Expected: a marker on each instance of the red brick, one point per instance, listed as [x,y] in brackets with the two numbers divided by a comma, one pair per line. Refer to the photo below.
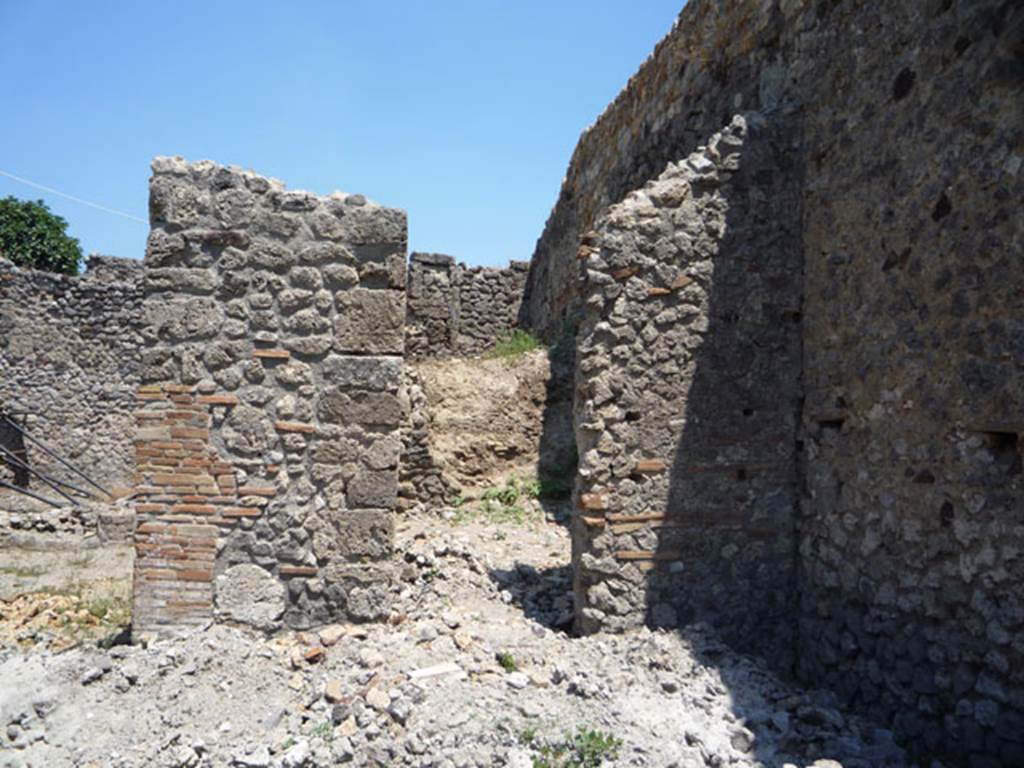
[218,400]
[650,465]
[242,511]
[272,354]
[257,490]
[297,570]
[294,426]
[174,479]
[193,509]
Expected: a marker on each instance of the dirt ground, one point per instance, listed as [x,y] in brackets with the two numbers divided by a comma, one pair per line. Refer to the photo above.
[489,416]
[473,668]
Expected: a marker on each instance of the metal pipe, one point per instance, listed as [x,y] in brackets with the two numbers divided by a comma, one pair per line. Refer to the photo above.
[41,476]
[47,478]
[53,455]
[27,492]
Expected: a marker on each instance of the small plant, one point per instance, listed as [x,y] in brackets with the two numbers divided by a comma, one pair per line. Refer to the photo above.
[507,662]
[594,747]
[323,731]
[499,504]
[507,494]
[587,749]
[513,345]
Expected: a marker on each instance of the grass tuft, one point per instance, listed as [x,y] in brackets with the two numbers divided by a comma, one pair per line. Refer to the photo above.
[513,345]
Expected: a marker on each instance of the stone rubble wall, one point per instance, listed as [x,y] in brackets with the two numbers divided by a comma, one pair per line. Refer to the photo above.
[912,524]
[721,57]
[422,477]
[688,397]
[69,365]
[910,151]
[269,411]
[458,310]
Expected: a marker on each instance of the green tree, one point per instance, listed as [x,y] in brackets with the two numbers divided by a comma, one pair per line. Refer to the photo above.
[32,236]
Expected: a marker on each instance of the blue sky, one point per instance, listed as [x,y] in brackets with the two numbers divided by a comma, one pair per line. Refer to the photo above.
[464,113]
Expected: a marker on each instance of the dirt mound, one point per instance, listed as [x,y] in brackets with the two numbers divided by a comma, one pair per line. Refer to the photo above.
[487,419]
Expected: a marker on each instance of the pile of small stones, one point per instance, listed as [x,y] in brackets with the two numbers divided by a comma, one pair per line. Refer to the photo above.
[471,670]
[97,522]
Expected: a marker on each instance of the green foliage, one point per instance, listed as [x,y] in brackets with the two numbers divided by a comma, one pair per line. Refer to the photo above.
[528,736]
[32,236]
[498,504]
[506,661]
[507,494]
[323,730]
[585,749]
[493,512]
[513,345]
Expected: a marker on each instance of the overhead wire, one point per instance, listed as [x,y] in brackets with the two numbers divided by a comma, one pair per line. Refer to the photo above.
[79,200]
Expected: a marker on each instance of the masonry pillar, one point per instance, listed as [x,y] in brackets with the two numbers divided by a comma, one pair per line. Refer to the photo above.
[267,443]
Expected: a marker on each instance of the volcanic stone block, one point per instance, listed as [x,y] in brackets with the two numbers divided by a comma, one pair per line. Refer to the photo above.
[370,321]
[373,488]
[364,533]
[377,374]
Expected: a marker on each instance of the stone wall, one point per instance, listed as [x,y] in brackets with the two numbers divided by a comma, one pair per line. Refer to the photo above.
[721,57]
[912,550]
[69,365]
[268,415]
[688,397]
[458,310]
[908,146]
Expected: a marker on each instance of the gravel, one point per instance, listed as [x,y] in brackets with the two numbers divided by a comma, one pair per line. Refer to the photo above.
[426,688]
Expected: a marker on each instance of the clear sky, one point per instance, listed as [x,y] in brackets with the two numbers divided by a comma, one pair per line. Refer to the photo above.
[462,112]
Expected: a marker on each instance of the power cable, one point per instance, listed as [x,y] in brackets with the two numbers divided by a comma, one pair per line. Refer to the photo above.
[53,191]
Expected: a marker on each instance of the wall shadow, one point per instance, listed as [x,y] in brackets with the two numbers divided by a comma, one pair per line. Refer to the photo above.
[726,547]
[556,450]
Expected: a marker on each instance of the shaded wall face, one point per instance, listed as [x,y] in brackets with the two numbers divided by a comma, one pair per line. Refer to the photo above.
[269,412]
[69,364]
[688,382]
[913,522]
[721,57]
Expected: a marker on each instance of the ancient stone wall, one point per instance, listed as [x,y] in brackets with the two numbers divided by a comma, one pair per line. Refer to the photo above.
[908,143]
[721,57]
[69,365]
[688,397]
[268,413]
[912,549]
[458,310]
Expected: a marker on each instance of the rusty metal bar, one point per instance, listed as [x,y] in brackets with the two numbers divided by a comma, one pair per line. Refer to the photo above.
[46,478]
[42,446]
[27,492]
[11,457]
